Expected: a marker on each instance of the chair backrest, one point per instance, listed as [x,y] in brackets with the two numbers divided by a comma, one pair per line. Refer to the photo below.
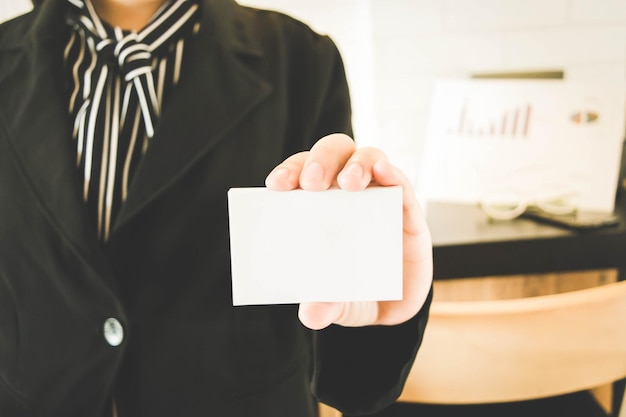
[519,349]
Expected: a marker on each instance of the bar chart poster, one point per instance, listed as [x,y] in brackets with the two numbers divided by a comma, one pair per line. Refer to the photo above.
[513,122]
[531,138]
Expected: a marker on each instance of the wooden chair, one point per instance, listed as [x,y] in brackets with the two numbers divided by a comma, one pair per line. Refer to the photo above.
[520,349]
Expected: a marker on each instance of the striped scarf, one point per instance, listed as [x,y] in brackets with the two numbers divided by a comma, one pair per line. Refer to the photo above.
[119,81]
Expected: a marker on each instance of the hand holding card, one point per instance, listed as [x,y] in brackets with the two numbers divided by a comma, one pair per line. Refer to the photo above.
[335,162]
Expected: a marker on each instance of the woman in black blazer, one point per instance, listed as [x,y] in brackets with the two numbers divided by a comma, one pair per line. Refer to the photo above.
[143,320]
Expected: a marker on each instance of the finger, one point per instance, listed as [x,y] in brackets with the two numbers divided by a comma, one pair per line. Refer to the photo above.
[324,161]
[359,313]
[357,172]
[286,176]
[417,249]
[317,316]
[384,173]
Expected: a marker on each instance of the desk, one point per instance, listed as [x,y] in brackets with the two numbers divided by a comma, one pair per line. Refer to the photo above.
[467,244]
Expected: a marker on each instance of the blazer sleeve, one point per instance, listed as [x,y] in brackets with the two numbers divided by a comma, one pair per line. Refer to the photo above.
[362,370]
[334,109]
[359,370]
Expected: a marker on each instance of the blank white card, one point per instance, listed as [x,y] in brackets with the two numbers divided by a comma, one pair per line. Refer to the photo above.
[303,246]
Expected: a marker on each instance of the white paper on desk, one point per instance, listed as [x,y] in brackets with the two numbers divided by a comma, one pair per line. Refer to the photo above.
[535,139]
[298,246]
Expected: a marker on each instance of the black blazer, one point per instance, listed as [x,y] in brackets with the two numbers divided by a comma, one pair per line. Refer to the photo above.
[256,87]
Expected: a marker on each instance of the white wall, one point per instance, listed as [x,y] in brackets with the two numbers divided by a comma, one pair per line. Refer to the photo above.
[395,49]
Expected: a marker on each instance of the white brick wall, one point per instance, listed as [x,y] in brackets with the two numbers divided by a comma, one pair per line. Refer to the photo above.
[503,15]
[395,49]
[594,11]
[569,45]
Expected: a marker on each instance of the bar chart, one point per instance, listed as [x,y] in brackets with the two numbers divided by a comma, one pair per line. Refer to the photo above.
[473,120]
[525,137]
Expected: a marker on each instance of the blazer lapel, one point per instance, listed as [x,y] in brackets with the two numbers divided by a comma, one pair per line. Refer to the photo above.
[216,92]
[33,111]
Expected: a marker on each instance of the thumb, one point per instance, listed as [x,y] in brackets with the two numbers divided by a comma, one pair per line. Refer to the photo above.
[318,316]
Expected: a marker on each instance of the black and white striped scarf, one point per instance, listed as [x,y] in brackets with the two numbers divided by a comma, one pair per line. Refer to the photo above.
[119,81]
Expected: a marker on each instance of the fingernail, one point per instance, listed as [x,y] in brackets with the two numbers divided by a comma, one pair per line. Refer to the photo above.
[313,173]
[353,170]
[382,166]
[279,175]
[351,177]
